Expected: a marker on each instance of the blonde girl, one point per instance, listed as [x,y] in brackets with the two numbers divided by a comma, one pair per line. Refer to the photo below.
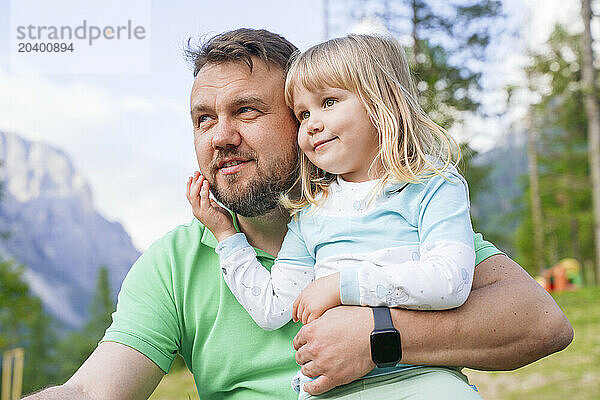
[380,213]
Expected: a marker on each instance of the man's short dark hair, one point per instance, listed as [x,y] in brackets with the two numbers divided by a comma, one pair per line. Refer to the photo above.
[241,45]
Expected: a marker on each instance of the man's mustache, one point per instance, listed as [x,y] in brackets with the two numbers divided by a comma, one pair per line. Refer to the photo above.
[231,153]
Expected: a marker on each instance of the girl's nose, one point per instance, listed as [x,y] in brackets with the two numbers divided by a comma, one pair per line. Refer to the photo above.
[314,125]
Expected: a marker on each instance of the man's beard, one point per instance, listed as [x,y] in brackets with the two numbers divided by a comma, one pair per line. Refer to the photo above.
[261,193]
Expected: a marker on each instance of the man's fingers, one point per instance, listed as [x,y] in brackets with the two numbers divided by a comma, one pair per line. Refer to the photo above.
[307,370]
[299,341]
[303,356]
[320,385]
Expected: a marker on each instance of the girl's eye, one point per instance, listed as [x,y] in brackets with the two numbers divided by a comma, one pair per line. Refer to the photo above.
[304,115]
[329,102]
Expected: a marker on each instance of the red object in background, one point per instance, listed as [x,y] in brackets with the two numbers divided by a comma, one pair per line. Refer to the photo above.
[556,278]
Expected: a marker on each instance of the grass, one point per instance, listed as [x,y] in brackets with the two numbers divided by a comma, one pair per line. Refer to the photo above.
[573,373]
[178,385]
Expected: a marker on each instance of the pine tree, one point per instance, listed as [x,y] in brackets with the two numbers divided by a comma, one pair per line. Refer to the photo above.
[101,307]
[449,42]
[77,346]
[564,183]
[23,323]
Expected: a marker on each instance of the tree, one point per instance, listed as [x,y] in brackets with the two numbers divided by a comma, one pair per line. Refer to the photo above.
[559,119]
[593,122]
[101,307]
[477,177]
[449,42]
[77,346]
[23,323]
[535,202]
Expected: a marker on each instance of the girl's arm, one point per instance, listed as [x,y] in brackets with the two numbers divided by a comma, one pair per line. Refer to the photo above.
[508,321]
[267,296]
[441,274]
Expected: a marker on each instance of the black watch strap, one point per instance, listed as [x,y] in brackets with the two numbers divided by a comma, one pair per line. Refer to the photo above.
[386,345]
[382,318]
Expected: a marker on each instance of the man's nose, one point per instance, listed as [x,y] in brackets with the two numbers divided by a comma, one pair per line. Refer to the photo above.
[226,135]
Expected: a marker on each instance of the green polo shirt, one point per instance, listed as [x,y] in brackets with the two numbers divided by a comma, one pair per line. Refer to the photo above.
[174,300]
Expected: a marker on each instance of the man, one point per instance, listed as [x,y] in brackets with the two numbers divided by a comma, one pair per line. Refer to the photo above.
[174,299]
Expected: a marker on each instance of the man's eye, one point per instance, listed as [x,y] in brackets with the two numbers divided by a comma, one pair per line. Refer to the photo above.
[329,102]
[243,110]
[202,119]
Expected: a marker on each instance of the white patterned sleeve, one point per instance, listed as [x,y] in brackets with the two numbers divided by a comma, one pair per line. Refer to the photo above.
[267,296]
[441,276]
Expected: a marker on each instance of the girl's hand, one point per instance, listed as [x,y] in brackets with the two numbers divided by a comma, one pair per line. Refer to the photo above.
[213,216]
[316,298]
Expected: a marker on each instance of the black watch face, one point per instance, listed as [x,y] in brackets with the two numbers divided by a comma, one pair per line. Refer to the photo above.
[385,347]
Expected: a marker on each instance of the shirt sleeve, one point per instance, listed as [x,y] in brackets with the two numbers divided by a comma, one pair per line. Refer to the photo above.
[147,291]
[267,297]
[483,249]
[441,278]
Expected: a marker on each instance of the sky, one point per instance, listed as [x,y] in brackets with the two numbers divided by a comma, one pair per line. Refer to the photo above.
[124,121]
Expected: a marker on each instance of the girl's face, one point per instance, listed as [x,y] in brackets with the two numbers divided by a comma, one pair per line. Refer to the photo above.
[336,133]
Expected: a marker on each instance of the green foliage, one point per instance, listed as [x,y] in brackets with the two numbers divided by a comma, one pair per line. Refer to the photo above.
[23,323]
[77,346]
[565,187]
[450,42]
[477,178]
[15,305]
[101,307]
[445,91]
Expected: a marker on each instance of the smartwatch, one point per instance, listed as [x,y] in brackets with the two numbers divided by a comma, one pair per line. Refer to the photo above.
[386,349]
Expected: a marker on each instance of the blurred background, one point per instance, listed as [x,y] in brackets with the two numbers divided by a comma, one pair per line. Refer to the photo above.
[94,159]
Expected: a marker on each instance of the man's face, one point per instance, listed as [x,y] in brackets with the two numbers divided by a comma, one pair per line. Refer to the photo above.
[244,135]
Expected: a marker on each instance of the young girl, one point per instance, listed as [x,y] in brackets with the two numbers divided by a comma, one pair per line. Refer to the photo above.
[382,216]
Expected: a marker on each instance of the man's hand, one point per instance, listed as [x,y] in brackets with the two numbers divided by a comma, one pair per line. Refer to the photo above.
[318,297]
[508,321]
[335,348]
[213,216]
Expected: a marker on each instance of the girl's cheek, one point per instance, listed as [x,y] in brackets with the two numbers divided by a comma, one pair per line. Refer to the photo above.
[302,140]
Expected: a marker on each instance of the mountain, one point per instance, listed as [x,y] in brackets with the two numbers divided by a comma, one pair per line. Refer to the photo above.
[52,228]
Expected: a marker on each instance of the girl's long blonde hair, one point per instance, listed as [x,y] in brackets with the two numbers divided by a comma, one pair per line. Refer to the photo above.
[411,146]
